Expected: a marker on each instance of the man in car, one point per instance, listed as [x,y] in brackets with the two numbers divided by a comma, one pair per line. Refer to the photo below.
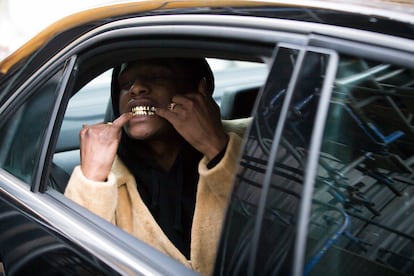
[163,169]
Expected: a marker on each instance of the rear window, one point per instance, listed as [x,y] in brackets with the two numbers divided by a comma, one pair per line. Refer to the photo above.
[362,210]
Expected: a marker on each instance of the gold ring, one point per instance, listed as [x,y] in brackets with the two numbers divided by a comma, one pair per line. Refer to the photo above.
[171,106]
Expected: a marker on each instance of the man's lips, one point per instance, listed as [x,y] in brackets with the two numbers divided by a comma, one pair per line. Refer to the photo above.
[143,110]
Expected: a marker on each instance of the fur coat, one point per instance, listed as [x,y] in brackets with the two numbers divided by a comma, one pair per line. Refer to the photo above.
[118,201]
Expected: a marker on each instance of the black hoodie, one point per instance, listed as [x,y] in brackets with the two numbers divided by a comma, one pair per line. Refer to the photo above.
[169,195]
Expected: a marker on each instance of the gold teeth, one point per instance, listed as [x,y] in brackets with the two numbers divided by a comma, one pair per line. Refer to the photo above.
[143,110]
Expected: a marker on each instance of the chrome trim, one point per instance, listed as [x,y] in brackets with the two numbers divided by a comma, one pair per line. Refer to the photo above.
[273,153]
[226,26]
[313,159]
[268,30]
[404,13]
[269,24]
[59,90]
[119,250]
[364,50]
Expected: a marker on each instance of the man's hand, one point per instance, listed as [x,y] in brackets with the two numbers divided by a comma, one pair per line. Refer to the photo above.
[196,117]
[98,147]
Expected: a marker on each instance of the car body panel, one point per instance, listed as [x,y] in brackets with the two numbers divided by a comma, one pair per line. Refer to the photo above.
[44,216]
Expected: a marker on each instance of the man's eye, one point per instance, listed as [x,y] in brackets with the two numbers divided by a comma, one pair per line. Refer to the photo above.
[144,80]
[157,79]
[126,85]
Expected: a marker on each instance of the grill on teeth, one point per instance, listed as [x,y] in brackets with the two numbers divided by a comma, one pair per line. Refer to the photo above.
[143,110]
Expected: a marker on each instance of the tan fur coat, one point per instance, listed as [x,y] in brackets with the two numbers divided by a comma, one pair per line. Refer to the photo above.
[119,202]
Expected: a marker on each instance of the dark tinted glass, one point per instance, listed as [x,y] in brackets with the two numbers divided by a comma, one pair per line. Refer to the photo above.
[239,231]
[23,129]
[362,214]
[280,213]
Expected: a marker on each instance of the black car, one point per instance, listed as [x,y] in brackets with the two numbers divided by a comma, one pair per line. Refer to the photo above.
[325,180]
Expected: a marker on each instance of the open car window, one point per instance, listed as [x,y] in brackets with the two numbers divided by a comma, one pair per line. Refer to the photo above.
[237,84]
[88,106]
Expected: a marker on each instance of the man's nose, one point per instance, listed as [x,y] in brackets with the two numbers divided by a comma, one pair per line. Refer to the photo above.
[138,87]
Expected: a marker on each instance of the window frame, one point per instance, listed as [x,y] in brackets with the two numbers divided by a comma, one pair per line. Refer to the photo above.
[28,89]
[90,223]
[313,159]
[310,165]
[44,167]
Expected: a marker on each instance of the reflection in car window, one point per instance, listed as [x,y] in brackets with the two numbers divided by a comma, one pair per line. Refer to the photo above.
[364,191]
[263,213]
[26,126]
[280,213]
[239,230]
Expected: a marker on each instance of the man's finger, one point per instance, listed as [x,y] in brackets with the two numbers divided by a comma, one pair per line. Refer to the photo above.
[122,120]
[184,99]
[167,114]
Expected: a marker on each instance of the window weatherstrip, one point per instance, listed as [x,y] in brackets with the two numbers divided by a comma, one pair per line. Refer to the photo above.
[272,156]
[67,71]
[364,50]
[312,164]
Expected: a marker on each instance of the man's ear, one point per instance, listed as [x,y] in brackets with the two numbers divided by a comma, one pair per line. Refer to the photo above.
[202,87]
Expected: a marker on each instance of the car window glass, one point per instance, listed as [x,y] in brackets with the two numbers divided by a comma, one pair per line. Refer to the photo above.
[26,126]
[280,213]
[239,228]
[364,191]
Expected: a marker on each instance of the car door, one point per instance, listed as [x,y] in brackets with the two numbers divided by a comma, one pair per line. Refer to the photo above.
[28,242]
[360,219]
[44,231]
[325,184]
[34,191]
[259,236]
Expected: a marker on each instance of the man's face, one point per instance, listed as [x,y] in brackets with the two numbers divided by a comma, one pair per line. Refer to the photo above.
[145,86]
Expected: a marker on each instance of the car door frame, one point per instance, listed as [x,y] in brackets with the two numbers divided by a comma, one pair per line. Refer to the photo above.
[104,240]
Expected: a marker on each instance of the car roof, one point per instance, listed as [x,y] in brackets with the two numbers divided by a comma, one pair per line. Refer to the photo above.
[395,10]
